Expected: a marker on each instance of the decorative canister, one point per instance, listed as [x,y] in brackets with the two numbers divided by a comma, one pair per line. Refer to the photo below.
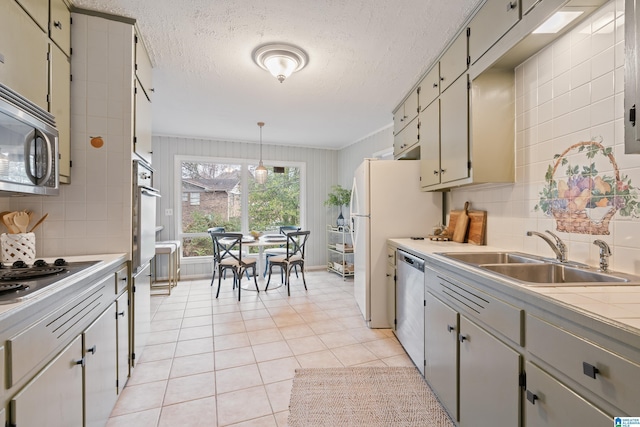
[18,247]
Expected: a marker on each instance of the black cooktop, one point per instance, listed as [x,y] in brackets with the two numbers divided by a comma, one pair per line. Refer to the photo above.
[20,280]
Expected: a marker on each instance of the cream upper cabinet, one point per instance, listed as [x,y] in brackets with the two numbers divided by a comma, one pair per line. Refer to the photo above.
[406,112]
[142,129]
[491,22]
[143,66]
[527,5]
[406,124]
[454,62]
[454,132]
[60,25]
[38,10]
[430,87]
[23,66]
[430,145]
[61,109]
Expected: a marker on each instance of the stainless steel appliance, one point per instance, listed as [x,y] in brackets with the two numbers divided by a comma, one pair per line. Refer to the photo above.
[20,281]
[386,202]
[410,306]
[28,147]
[144,214]
[143,250]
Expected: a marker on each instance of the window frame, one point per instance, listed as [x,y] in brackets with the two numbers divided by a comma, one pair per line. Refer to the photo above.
[244,167]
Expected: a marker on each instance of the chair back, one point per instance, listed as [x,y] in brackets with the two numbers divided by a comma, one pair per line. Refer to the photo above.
[286,229]
[227,245]
[211,231]
[296,243]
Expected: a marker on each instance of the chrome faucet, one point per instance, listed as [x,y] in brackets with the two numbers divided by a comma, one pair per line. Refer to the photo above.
[605,253]
[559,248]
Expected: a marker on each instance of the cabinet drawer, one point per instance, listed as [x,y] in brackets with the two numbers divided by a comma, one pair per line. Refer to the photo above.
[430,87]
[453,62]
[499,315]
[617,379]
[550,403]
[122,279]
[391,255]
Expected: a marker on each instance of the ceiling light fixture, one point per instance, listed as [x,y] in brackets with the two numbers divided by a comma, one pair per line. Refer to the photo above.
[281,60]
[261,171]
[556,22]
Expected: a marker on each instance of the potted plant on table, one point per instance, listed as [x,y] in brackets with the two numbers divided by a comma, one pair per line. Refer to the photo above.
[339,197]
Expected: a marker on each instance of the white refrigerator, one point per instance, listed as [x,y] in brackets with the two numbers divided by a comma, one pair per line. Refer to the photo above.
[386,202]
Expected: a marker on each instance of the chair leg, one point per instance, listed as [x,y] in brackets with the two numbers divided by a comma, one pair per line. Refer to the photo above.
[269,279]
[219,283]
[238,274]
[303,279]
[287,280]
[255,279]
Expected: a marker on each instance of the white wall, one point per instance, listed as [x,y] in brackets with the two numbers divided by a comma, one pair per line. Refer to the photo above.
[321,174]
[572,91]
[350,157]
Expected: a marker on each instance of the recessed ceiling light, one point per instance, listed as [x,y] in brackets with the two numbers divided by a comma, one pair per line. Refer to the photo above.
[557,21]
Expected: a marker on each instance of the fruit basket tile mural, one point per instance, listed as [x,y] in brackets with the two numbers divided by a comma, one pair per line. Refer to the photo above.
[584,189]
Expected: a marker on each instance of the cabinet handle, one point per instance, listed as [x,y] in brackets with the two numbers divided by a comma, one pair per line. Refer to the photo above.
[435,172]
[451,328]
[120,314]
[442,78]
[461,338]
[443,171]
[589,370]
[435,85]
[58,24]
[80,362]
[92,350]
[531,397]
[512,5]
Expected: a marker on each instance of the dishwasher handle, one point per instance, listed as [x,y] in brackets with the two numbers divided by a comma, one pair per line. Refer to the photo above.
[411,260]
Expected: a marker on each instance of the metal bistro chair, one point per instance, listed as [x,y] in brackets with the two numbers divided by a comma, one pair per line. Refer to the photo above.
[228,254]
[296,242]
[215,263]
[268,253]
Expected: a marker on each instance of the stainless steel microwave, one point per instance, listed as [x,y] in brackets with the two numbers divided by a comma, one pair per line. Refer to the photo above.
[28,147]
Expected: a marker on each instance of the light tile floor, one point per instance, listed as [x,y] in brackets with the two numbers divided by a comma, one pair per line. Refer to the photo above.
[219,362]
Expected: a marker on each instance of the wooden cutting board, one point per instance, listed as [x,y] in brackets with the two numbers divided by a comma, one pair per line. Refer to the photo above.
[476,234]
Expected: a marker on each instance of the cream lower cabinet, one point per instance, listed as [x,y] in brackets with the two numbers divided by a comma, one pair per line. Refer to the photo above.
[54,397]
[100,372]
[489,379]
[550,403]
[122,329]
[441,351]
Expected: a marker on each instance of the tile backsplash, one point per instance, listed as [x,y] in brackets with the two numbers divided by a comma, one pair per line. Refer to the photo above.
[570,92]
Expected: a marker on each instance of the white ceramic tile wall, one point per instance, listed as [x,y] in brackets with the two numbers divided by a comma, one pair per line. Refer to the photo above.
[92,215]
[571,91]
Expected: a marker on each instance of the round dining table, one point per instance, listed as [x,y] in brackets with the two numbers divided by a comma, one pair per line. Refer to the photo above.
[267,240]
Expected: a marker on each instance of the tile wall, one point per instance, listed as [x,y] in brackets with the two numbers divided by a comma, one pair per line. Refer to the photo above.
[570,92]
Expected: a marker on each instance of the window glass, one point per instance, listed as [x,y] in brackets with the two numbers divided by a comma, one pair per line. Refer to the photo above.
[276,202]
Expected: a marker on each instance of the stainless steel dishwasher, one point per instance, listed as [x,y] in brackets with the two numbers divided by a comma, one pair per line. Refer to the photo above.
[410,306]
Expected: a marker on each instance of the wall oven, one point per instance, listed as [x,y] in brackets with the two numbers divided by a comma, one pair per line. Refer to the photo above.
[144,215]
[28,147]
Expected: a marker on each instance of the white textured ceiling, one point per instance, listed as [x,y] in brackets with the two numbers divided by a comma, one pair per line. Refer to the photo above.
[364,56]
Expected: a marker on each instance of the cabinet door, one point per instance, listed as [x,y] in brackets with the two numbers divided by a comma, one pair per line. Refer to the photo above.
[24,66]
[407,138]
[441,351]
[430,87]
[142,119]
[489,372]
[430,145]
[454,132]
[140,312]
[60,26]
[399,120]
[391,295]
[143,67]
[493,20]
[453,62]
[100,371]
[411,105]
[122,329]
[38,10]
[549,403]
[60,107]
[54,397]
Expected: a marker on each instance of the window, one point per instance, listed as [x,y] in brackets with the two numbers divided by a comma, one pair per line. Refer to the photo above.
[223,193]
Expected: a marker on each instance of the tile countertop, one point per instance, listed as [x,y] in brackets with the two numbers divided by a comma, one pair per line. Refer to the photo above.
[105,261]
[619,304]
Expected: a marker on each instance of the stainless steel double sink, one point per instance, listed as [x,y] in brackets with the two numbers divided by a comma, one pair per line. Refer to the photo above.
[531,270]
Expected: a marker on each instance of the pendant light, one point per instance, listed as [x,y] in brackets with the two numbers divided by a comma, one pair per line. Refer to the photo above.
[261,171]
